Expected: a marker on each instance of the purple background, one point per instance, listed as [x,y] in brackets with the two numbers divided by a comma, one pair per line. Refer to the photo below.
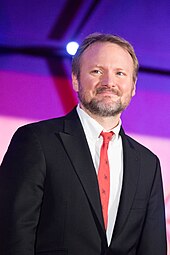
[35,71]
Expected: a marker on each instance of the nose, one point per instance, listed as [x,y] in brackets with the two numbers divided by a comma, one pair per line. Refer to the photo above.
[108,79]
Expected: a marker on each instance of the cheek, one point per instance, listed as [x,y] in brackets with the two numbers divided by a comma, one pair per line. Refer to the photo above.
[128,87]
[87,85]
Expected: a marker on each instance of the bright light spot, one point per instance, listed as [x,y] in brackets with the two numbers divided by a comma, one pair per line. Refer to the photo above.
[72,47]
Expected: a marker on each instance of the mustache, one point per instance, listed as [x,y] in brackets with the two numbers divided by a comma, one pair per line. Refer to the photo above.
[105,89]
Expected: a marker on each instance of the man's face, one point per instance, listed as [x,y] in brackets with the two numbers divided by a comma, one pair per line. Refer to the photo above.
[105,86]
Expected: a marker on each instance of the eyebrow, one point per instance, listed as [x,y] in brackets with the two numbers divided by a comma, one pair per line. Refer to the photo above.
[117,68]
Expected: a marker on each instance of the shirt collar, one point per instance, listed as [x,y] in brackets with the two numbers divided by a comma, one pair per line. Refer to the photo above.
[92,128]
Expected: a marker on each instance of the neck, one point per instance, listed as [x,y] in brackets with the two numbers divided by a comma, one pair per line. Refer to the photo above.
[107,123]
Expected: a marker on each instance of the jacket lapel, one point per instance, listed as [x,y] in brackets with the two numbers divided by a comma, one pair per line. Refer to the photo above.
[129,185]
[76,146]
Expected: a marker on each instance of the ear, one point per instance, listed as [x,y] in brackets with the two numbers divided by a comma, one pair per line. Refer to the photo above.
[75,82]
[134,88]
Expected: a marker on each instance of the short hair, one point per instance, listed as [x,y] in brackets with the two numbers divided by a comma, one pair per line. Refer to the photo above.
[100,37]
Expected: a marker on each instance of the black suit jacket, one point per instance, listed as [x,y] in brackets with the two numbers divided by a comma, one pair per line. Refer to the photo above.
[49,196]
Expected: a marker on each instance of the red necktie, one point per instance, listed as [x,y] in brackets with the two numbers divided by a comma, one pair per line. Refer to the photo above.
[104,175]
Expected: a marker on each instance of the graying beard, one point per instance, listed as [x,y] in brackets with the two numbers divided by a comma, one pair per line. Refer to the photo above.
[94,107]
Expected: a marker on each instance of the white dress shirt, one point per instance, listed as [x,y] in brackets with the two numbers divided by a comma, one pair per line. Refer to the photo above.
[92,131]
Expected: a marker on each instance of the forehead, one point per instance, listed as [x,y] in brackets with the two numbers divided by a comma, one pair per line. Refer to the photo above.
[108,53]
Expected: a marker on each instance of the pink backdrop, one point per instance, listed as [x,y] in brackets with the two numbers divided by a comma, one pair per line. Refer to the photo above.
[35,70]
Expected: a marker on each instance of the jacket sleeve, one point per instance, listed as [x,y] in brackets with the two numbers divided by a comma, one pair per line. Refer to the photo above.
[153,237]
[22,175]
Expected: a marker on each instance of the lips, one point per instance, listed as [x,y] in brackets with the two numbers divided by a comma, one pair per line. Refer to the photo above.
[107,91]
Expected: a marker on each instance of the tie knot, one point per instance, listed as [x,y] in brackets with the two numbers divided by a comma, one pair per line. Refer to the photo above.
[107,136]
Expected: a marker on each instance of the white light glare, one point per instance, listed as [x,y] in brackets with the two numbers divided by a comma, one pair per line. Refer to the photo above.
[72,47]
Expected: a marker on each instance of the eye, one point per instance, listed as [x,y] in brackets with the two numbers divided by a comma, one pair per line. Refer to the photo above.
[120,73]
[96,71]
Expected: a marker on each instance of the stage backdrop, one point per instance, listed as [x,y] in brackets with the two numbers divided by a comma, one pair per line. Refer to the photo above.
[35,71]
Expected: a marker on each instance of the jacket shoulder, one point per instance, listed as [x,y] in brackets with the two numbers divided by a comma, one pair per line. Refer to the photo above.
[49,125]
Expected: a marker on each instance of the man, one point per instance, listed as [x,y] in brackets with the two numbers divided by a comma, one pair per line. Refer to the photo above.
[51,201]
